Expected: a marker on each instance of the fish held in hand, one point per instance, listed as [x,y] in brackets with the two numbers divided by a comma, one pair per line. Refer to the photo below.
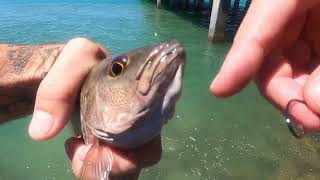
[126,101]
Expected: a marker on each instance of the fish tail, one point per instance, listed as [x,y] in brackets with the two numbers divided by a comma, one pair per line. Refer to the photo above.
[97,164]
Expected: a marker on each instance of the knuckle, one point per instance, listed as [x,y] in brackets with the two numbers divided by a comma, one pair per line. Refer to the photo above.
[80,41]
[309,91]
[311,95]
[84,45]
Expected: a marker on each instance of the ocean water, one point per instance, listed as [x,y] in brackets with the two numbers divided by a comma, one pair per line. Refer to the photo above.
[242,137]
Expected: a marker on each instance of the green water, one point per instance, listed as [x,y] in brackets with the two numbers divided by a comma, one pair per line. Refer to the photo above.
[242,137]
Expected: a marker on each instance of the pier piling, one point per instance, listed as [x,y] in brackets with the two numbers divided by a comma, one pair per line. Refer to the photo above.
[186,4]
[216,28]
[199,4]
[159,4]
[236,4]
[225,5]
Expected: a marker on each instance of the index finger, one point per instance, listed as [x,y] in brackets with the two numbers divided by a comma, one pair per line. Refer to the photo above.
[258,34]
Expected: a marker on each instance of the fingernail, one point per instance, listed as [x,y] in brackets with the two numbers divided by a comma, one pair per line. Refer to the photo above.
[41,124]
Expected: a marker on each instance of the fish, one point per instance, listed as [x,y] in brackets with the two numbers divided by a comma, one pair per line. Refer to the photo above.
[126,101]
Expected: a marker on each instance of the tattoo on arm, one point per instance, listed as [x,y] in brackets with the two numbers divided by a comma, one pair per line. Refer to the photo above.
[19,58]
[48,52]
[21,70]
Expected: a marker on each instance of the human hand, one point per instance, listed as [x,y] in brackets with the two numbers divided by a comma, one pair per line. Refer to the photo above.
[278,45]
[56,99]
[126,164]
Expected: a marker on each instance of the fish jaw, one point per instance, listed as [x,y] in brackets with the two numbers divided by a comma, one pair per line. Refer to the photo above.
[173,94]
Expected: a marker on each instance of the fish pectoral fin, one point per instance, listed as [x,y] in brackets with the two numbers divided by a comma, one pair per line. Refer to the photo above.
[97,163]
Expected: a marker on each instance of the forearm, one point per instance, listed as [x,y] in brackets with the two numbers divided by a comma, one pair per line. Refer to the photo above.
[21,70]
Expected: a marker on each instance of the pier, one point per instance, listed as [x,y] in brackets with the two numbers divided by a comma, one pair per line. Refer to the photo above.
[224,15]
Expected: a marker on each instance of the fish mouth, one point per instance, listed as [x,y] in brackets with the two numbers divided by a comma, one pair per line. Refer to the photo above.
[164,60]
[173,53]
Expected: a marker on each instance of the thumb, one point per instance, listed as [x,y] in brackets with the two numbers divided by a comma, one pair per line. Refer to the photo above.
[257,35]
[58,91]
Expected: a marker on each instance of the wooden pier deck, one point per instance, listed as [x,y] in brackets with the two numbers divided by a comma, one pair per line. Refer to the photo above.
[222,11]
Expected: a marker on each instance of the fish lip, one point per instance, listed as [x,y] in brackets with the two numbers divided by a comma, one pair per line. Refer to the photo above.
[173,51]
[171,46]
[164,49]
[159,62]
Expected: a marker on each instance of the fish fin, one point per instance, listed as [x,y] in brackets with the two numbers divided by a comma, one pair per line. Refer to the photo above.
[97,163]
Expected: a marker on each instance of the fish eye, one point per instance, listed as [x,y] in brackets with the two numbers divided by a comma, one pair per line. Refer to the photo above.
[116,69]
[118,66]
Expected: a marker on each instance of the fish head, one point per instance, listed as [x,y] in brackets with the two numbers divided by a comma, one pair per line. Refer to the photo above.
[130,97]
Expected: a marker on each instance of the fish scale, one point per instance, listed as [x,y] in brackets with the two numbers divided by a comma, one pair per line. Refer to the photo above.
[116,97]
